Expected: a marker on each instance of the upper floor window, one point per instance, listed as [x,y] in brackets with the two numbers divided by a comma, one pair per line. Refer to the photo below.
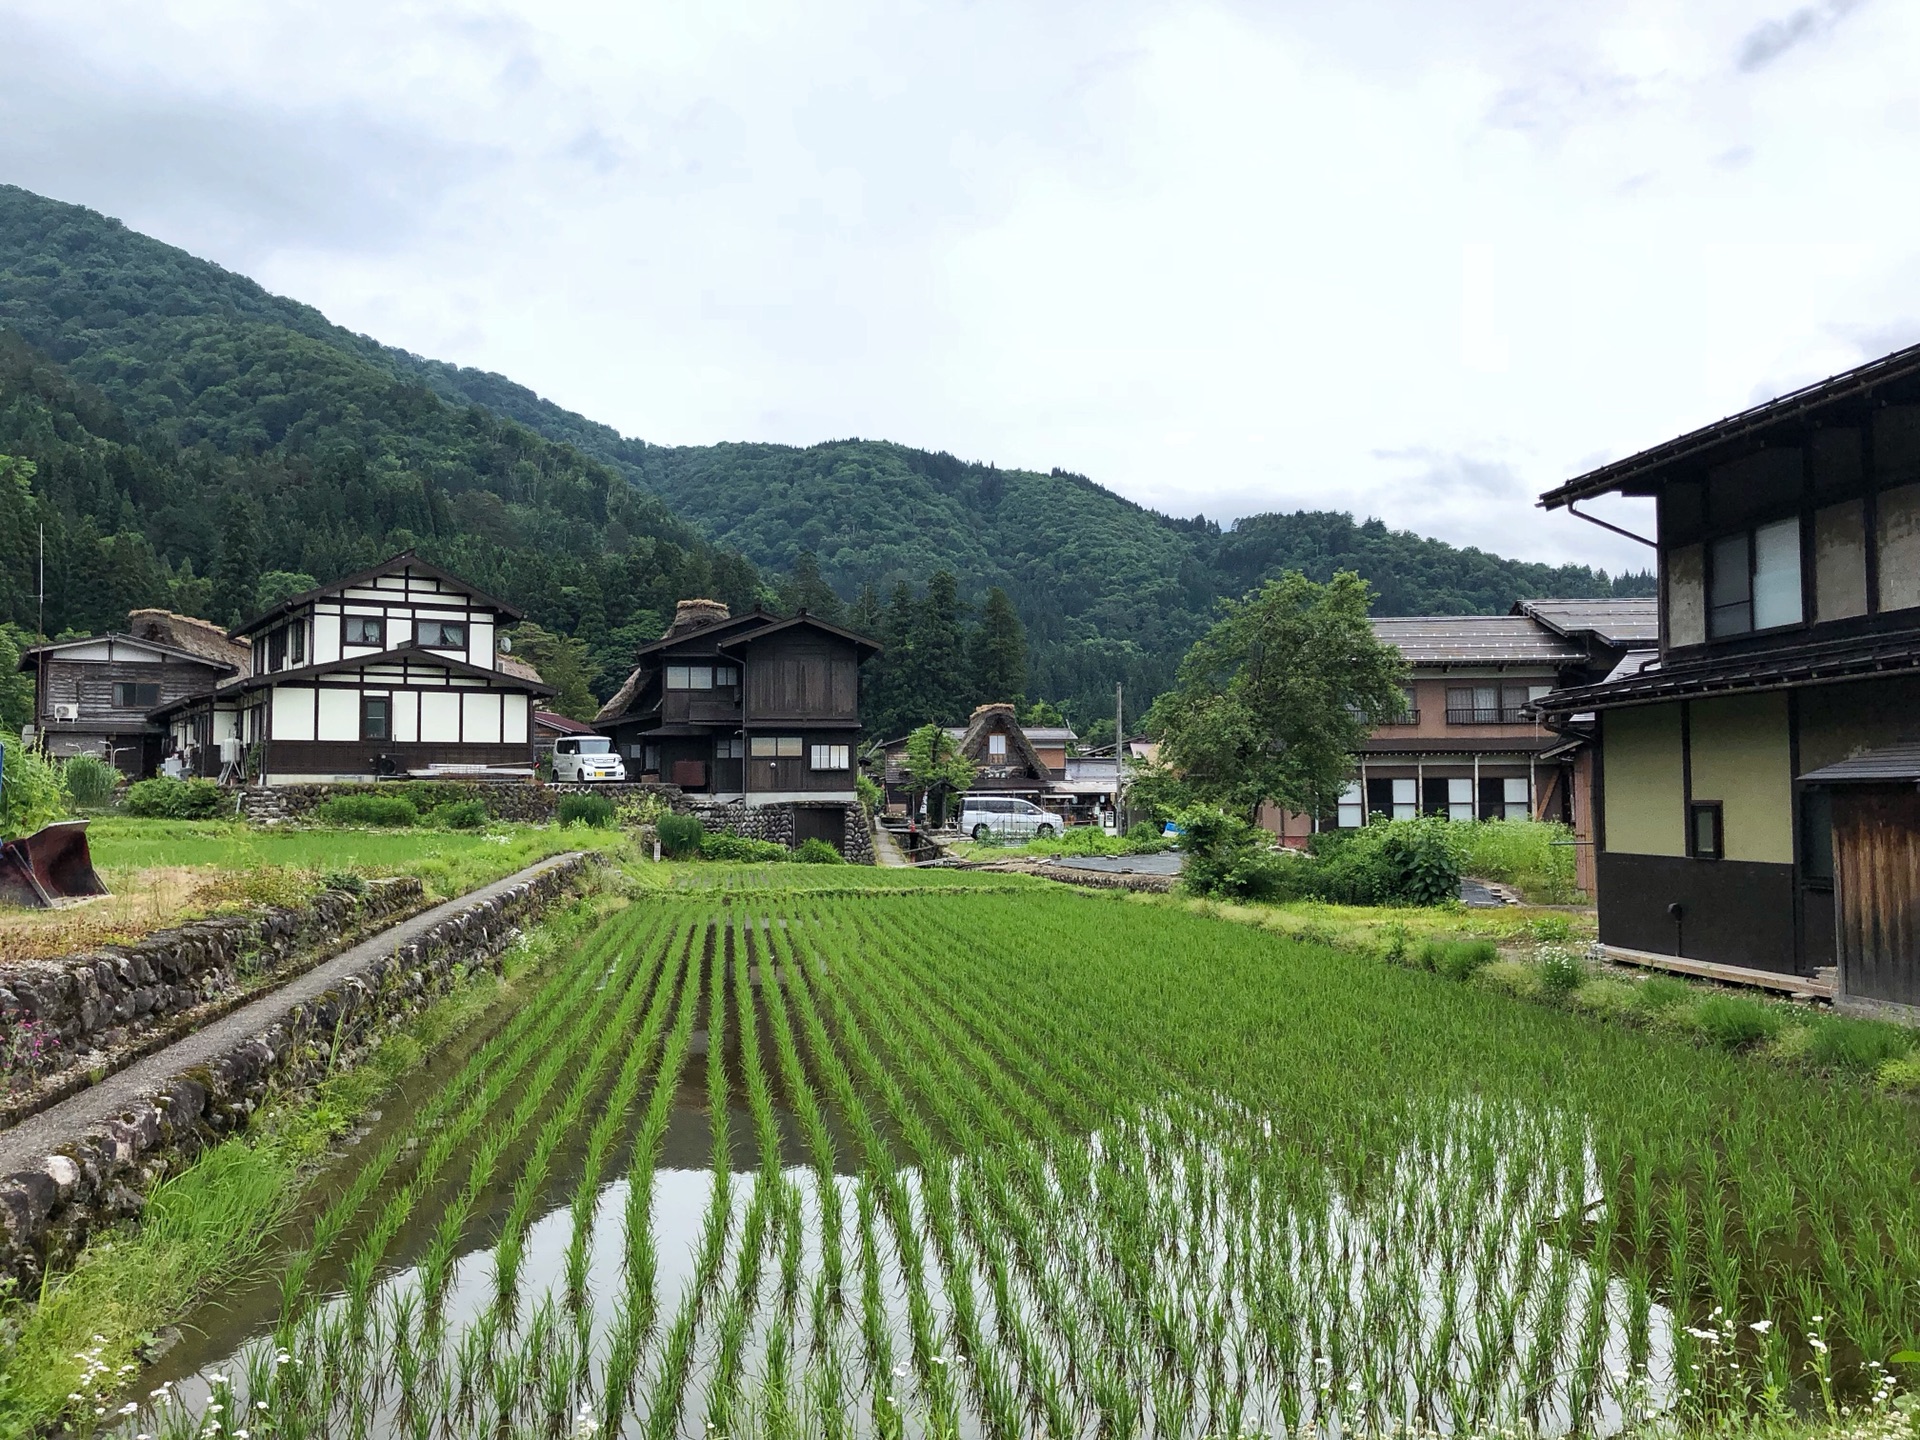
[768,747]
[277,648]
[996,746]
[442,634]
[364,630]
[1409,707]
[129,696]
[1754,580]
[831,757]
[1490,704]
[297,638]
[702,677]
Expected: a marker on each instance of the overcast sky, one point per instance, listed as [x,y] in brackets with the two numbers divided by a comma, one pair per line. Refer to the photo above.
[1420,260]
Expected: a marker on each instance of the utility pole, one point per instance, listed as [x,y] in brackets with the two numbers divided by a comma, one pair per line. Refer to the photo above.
[1119,735]
[40,623]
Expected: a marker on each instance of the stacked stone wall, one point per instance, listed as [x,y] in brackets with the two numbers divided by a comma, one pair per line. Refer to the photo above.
[96,1011]
[522,801]
[102,1174]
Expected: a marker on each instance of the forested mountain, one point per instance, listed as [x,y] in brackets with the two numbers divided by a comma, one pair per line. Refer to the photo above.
[190,429]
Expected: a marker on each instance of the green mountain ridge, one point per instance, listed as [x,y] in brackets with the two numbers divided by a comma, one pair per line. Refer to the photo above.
[335,447]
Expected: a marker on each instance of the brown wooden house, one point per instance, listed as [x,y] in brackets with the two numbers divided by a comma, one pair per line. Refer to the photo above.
[1756,775]
[94,696]
[749,710]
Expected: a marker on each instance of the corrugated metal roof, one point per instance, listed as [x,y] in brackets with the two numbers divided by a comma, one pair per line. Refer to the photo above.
[1615,621]
[1890,765]
[1050,734]
[1474,640]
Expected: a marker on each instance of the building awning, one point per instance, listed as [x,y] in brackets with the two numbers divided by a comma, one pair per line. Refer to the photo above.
[1888,766]
[1830,663]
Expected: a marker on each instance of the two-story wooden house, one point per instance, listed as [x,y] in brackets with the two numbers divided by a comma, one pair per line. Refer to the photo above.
[1757,776]
[748,710]
[94,696]
[394,671]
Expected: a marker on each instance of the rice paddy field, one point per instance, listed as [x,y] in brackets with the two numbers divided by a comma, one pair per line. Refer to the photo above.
[997,1160]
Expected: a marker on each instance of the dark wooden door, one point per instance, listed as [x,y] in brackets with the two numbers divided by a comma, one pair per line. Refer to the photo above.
[819,823]
[1876,845]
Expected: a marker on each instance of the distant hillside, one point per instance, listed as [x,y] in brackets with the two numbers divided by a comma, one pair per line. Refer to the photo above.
[334,449]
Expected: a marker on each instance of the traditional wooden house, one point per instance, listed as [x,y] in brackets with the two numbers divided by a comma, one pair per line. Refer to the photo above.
[1466,746]
[93,696]
[1756,777]
[1009,758]
[394,671]
[751,711]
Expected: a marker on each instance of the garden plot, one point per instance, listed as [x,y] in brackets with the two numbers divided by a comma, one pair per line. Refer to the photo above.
[1004,1163]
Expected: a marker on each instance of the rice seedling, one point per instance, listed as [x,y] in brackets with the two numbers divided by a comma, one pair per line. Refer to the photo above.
[941,1165]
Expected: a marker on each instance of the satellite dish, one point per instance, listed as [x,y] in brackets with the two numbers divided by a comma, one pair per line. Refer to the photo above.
[506,644]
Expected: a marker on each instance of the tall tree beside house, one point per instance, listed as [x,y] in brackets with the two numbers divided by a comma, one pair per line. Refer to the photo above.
[935,769]
[999,651]
[278,585]
[937,673]
[1273,701]
[564,663]
[867,612]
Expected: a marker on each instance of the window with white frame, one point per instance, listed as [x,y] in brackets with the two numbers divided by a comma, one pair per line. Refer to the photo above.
[831,757]
[1460,798]
[1352,810]
[996,746]
[1517,802]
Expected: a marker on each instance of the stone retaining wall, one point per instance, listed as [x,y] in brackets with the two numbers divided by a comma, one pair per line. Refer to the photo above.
[93,1009]
[776,823]
[101,1175]
[524,801]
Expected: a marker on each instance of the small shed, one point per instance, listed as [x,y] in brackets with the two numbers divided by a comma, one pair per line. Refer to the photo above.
[1874,800]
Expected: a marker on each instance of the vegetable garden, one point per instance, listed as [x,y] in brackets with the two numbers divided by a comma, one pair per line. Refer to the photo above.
[1012,1160]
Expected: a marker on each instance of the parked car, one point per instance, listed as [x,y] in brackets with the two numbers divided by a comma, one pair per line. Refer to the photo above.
[1010,819]
[586,757]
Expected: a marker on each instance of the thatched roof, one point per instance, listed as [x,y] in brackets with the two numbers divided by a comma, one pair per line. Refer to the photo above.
[192,634]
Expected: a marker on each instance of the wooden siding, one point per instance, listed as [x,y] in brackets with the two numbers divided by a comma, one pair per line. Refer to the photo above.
[90,684]
[1876,842]
[801,682]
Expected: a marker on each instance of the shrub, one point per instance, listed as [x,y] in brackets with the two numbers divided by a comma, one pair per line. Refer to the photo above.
[1534,855]
[729,846]
[1390,862]
[1553,929]
[1837,1042]
[1457,959]
[165,799]
[815,851]
[594,810]
[872,797]
[394,810]
[1734,1021]
[680,836]
[90,780]
[32,794]
[1227,857]
[344,880]
[460,815]
[1561,972]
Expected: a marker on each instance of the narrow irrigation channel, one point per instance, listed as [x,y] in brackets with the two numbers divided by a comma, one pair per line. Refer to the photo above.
[923,1164]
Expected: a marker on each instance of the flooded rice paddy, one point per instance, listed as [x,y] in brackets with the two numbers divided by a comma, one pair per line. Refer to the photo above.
[1007,1164]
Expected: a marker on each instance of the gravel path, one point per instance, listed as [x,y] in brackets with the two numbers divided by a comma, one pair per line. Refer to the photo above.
[39,1135]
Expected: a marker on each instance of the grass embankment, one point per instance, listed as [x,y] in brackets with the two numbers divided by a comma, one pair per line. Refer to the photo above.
[1194,1179]
[211,1225]
[165,872]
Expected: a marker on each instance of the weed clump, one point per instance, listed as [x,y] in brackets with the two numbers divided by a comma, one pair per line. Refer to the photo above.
[1734,1022]
[1457,959]
[815,851]
[680,836]
[1561,972]
[164,799]
[388,811]
[90,780]
[1861,1047]
[729,846]
[592,810]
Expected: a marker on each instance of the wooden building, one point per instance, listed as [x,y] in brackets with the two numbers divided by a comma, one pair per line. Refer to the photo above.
[1026,761]
[1755,774]
[749,710]
[94,696]
[394,671]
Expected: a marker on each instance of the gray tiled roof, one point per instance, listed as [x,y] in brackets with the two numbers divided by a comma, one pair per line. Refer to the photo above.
[1615,621]
[1892,765]
[1474,640]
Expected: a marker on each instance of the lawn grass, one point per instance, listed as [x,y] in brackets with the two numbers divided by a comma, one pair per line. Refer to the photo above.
[211,1224]
[164,872]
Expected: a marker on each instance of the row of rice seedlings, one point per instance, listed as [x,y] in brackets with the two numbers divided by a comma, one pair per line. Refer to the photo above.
[637,1307]
[668,1394]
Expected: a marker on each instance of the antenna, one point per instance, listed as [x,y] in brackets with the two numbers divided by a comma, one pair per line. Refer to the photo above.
[41,622]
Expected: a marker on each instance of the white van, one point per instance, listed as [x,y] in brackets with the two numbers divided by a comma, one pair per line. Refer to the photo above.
[1010,819]
[586,757]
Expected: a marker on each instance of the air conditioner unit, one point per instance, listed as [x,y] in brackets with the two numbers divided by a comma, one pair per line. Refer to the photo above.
[66,710]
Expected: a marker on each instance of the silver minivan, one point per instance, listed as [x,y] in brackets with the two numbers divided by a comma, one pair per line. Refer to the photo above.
[1006,817]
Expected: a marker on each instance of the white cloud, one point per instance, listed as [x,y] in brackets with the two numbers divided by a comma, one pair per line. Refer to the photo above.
[1414,260]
